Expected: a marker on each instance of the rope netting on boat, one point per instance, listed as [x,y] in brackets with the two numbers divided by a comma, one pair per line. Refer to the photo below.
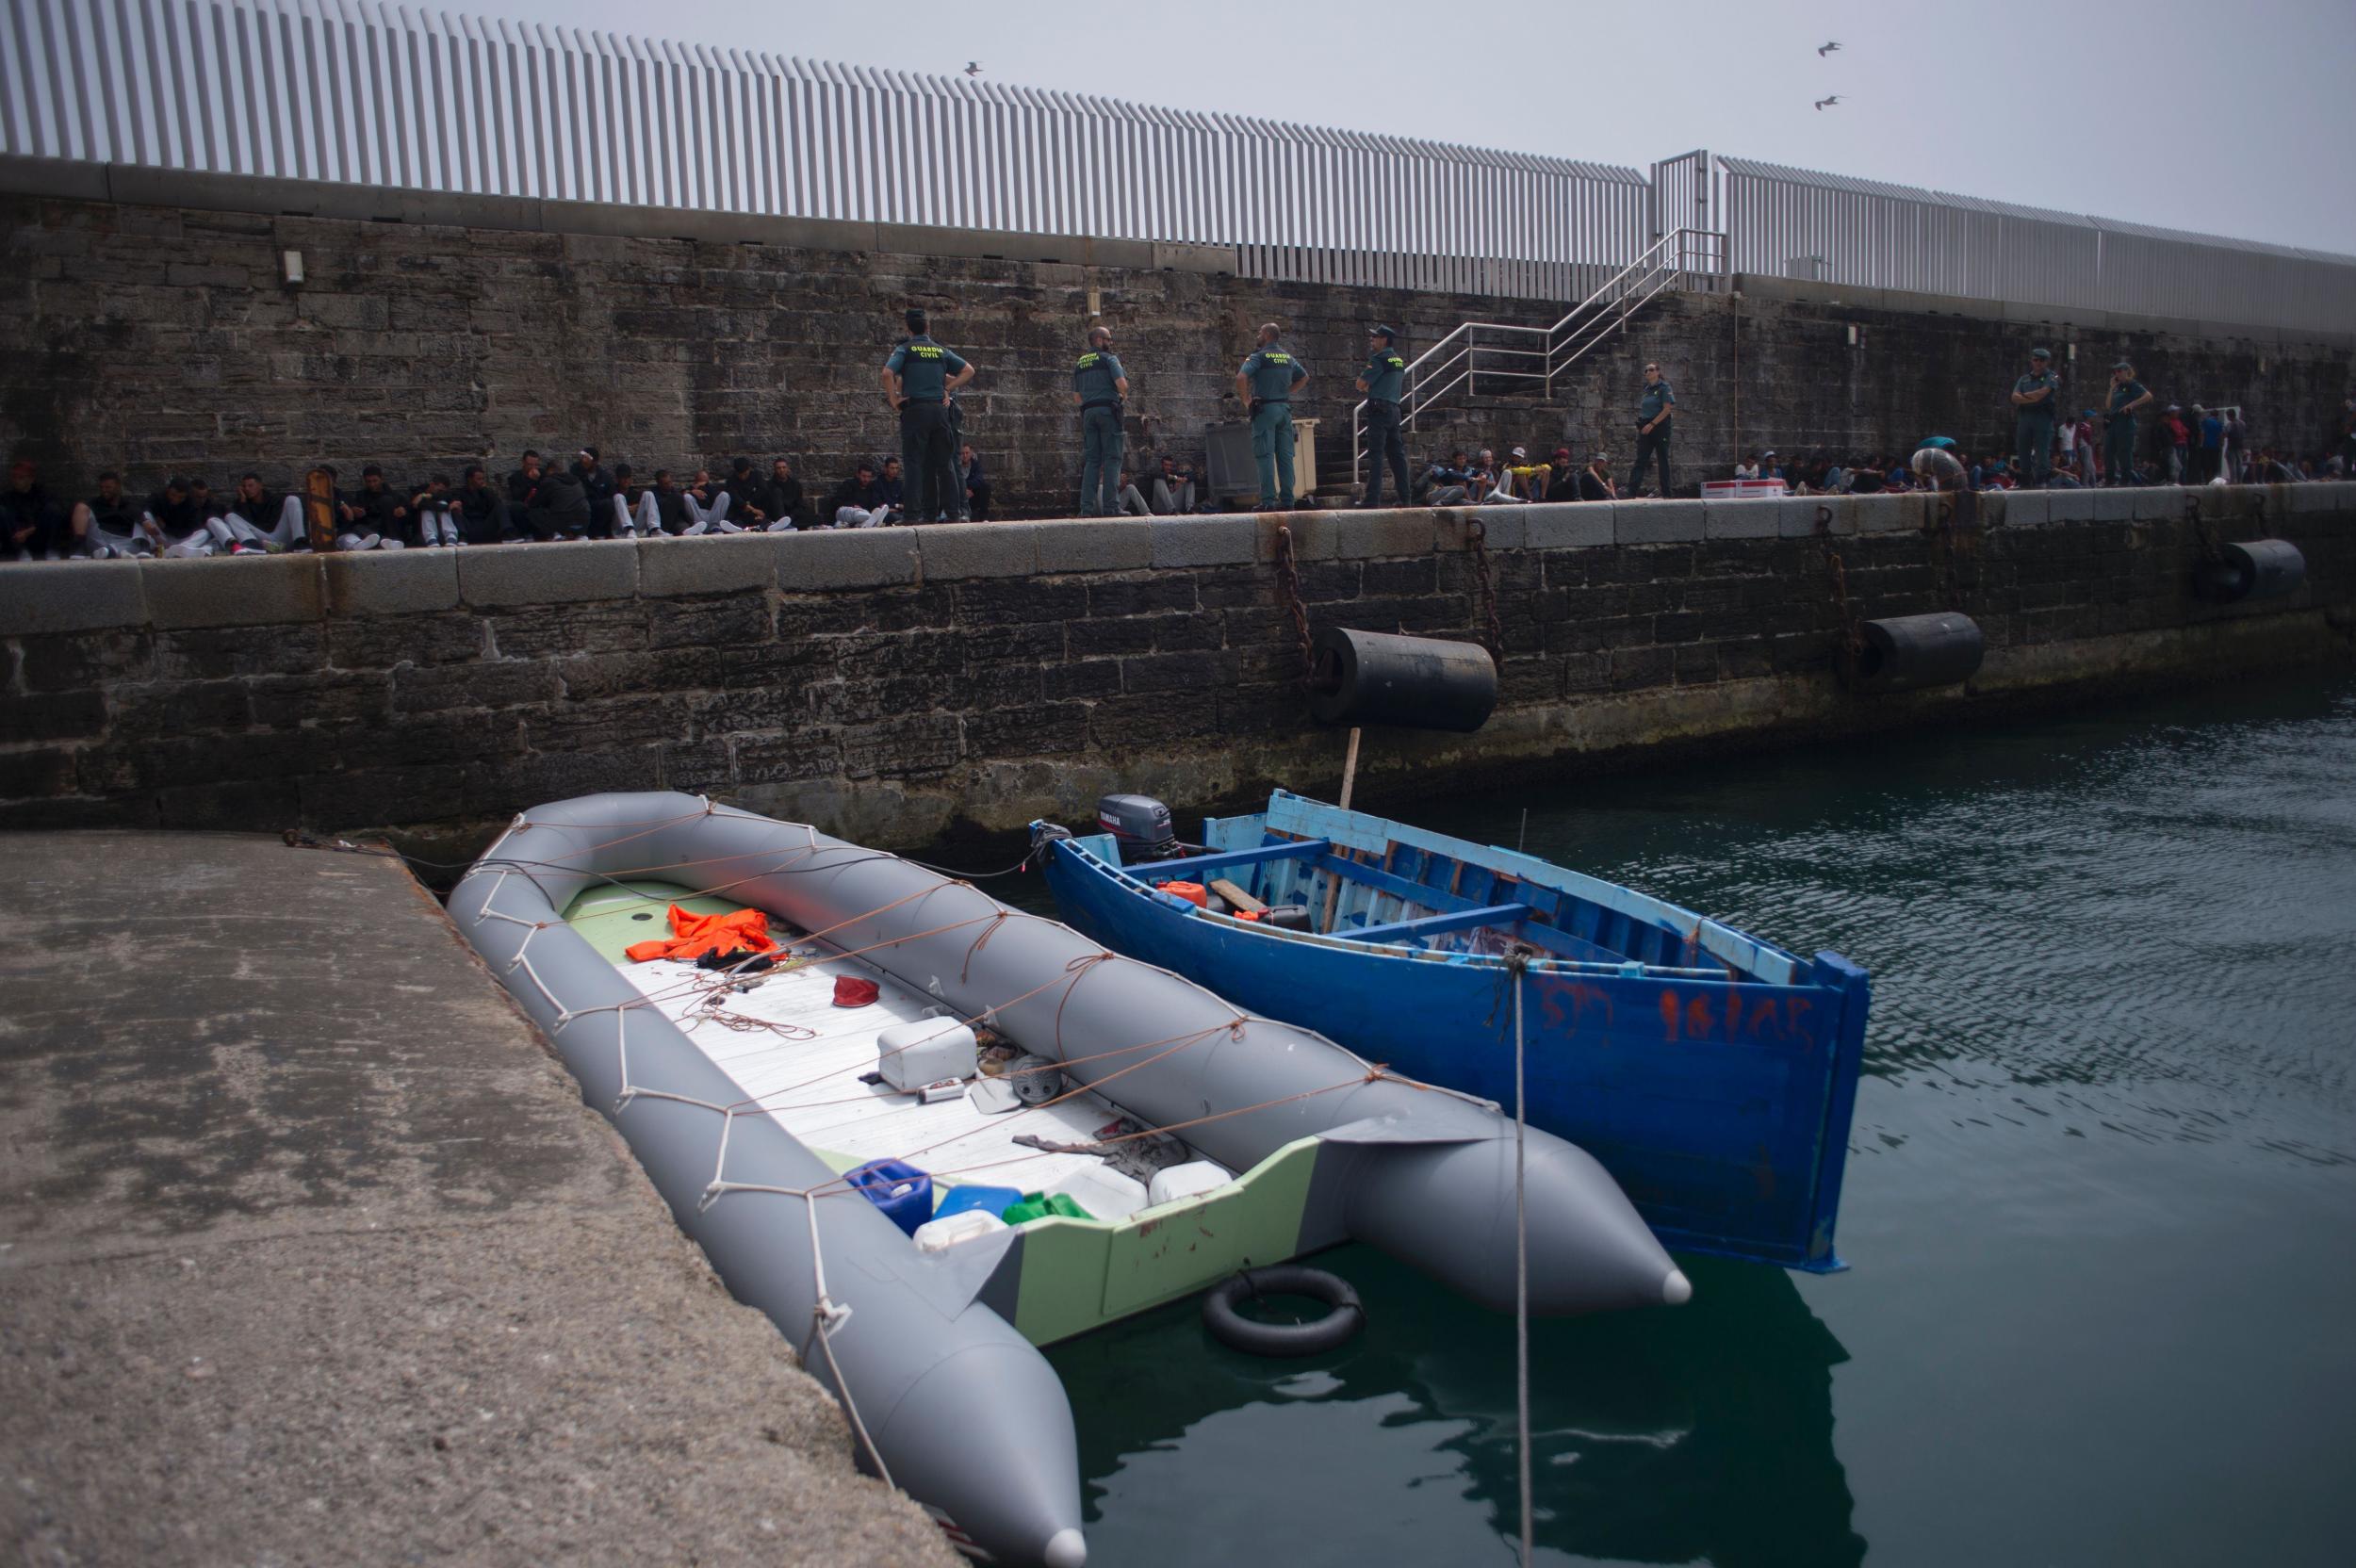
[711,998]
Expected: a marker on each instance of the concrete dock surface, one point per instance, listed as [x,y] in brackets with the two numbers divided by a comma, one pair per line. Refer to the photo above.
[310,1253]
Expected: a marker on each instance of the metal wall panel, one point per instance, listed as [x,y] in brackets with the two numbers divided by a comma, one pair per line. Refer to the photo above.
[1797,222]
[363,93]
[359,91]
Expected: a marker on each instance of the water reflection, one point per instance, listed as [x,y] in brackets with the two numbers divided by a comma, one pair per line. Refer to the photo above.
[1703,1433]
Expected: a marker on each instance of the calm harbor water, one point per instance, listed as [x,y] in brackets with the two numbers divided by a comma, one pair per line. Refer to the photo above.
[2099,1202]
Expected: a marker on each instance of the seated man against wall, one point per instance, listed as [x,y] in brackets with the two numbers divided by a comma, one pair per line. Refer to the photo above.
[1525,480]
[670,504]
[1447,484]
[32,526]
[635,514]
[1493,485]
[523,489]
[781,499]
[1173,488]
[597,487]
[1594,481]
[857,501]
[706,506]
[382,518]
[1130,499]
[745,490]
[108,524]
[483,516]
[891,486]
[560,505]
[214,510]
[434,507]
[977,485]
[259,517]
[173,524]
[1562,482]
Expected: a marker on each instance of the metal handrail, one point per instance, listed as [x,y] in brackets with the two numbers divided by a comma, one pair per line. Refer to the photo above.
[1669,261]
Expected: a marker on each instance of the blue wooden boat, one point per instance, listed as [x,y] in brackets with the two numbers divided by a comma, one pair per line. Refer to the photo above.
[1712,1073]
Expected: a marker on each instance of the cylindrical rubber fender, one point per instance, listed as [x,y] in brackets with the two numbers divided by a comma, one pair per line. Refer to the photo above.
[1414,682]
[2253,569]
[1912,652]
[1238,1332]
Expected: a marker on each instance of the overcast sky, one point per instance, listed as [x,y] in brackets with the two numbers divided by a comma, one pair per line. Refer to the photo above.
[2233,118]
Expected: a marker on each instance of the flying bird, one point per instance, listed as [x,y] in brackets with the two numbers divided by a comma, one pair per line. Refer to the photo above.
[1827,49]
[1821,102]
[972,68]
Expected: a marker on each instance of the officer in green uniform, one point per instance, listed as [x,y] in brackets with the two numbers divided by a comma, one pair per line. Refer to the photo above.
[1098,386]
[1267,383]
[917,381]
[1654,412]
[2119,436]
[1382,380]
[2035,399]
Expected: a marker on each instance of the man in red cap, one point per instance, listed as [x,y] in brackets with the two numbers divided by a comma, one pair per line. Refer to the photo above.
[1561,482]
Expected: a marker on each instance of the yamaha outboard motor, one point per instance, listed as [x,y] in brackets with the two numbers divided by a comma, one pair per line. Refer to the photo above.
[1140,824]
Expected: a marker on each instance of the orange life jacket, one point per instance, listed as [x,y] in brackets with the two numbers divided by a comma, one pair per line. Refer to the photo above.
[693,936]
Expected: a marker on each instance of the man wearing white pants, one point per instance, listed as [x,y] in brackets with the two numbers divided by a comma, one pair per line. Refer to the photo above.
[108,524]
[634,508]
[706,511]
[256,517]
[436,511]
[173,524]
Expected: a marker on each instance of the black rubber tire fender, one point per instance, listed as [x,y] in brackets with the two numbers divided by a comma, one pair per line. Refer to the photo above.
[1238,1332]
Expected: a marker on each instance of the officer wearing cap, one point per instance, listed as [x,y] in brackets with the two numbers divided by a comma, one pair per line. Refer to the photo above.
[1654,412]
[1267,383]
[2035,399]
[1383,382]
[2119,437]
[1097,385]
[917,381]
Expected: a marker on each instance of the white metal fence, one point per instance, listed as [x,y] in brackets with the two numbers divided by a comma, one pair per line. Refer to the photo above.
[355,90]
[1794,223]
[360,91]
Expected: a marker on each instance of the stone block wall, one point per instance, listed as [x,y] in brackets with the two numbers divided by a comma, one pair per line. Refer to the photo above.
[889,683]
[153,337]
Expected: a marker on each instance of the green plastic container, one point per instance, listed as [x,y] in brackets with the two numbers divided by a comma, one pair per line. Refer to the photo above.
[1039,1205]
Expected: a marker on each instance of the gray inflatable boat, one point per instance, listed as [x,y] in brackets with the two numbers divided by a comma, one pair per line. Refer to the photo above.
[932,1352]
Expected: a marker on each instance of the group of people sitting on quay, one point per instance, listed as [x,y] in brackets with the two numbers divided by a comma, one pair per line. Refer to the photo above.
[538,501]
[1822,473]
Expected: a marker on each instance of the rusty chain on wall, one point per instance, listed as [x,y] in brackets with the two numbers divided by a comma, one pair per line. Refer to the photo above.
[1852,641]
[1288,583]
[1477,533]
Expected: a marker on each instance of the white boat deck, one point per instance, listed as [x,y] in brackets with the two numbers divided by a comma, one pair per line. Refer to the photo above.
[809,1083]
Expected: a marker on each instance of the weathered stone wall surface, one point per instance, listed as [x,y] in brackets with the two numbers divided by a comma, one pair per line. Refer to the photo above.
[154,337]
[889,683]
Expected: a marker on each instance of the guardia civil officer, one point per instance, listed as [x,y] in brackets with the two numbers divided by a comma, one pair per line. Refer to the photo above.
[1098,386]
[2035,399]
[1382,380]
[2119,433]
[1267,383]
[917,381]
[1652,415]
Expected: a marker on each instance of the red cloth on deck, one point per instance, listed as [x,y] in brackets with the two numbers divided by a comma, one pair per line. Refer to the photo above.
[693,936]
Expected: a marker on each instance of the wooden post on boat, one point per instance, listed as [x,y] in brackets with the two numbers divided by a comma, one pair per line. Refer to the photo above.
[1349,780]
